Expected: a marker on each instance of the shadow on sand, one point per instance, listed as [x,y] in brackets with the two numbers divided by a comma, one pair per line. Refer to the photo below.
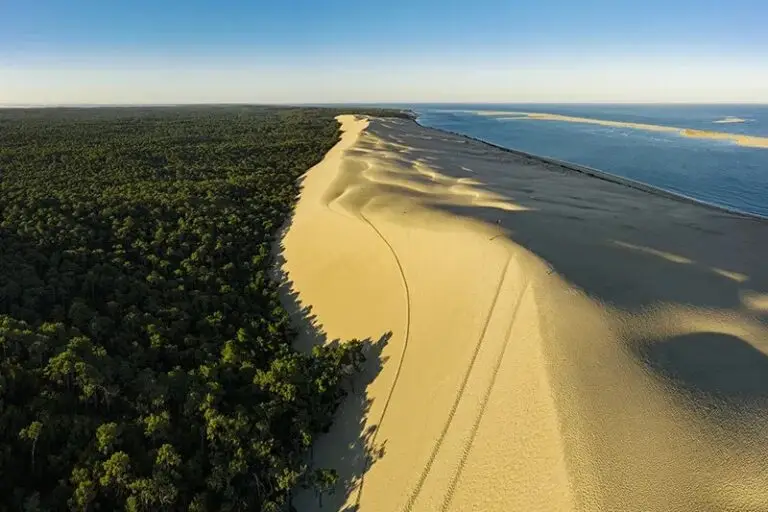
[713,367]
[347,446]
[625,248]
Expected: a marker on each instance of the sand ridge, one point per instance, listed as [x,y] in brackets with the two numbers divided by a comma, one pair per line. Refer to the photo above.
[553,342]
[752,141]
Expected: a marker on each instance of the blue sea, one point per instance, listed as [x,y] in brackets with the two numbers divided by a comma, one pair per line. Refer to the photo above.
[714,171]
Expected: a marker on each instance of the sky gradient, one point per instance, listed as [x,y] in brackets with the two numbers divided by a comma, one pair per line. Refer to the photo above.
[301,51]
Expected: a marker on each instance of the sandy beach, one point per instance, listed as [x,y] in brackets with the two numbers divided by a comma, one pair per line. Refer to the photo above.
[538,339]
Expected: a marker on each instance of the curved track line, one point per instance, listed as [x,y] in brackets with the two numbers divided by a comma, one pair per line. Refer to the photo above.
[483,404]
[407,333]
[402,353]
[436,448]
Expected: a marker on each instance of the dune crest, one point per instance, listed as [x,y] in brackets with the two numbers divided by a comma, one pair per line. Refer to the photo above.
[547,333]
[752,141]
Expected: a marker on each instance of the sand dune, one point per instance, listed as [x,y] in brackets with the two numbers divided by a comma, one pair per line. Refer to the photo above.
[751,141]
[540,339]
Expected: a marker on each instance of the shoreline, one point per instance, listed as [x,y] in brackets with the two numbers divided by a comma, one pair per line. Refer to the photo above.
[602,175]
[526,320]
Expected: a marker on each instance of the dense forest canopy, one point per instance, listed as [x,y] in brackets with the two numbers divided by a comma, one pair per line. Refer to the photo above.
[145,358]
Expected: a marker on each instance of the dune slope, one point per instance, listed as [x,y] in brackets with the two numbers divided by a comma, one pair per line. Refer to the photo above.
[540,339]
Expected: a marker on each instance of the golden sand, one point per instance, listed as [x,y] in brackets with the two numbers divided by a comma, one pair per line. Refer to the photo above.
[547,341]
[751,141]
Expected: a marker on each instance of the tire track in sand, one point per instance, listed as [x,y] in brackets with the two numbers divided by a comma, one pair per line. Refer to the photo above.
[402,352]
[483,405]
[460,393]
[358,212]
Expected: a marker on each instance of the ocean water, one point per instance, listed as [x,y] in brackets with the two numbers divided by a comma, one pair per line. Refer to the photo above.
[720,172]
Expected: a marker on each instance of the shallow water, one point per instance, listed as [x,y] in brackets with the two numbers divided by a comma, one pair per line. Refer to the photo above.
[715,171]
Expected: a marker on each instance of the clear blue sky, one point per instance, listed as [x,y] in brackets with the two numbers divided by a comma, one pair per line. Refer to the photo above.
[340,50]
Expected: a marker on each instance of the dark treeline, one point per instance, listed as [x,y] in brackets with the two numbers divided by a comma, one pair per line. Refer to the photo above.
[145,358]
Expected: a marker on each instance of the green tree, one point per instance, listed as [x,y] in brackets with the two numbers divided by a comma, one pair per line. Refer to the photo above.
[32,433]
[146,361]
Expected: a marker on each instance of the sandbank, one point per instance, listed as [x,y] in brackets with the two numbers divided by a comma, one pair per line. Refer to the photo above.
[752,141]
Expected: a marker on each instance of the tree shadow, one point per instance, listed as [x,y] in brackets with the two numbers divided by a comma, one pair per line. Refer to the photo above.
[619,244]
[347,446]
[713,368]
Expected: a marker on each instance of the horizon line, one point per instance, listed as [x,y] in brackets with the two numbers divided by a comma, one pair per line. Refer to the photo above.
[355,103]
